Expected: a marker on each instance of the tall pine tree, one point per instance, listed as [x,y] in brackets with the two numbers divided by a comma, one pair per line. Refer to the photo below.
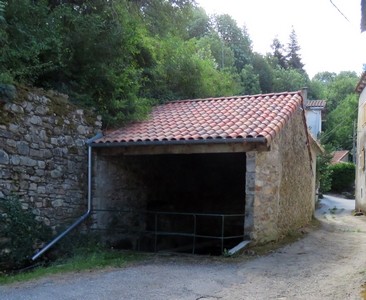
[293,56]
[278,53]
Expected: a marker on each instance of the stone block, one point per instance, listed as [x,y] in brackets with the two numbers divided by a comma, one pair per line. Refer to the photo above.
[26,161]
[41,110]
[13,128]
[11,143]
[57,203]
[35,120]
[22,148]
[4,157]
[56,173]
[16,108]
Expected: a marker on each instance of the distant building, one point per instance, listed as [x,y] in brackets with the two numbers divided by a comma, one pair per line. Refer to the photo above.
[340,156]
[314,112]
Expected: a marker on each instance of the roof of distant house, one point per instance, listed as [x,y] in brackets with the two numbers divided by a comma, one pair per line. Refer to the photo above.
[338,156]
[200,120]
[315,104]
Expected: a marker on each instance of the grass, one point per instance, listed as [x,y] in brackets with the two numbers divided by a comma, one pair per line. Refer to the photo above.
[79,262]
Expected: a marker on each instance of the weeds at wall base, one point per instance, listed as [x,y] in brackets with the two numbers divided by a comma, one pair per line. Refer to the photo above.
[83,262]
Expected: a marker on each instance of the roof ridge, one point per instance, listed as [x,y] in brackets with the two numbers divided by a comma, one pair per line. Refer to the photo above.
[230,97]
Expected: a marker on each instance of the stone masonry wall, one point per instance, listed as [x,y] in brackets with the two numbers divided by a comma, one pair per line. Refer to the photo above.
[43,156]
[118,187]
[279,185]
[297,186]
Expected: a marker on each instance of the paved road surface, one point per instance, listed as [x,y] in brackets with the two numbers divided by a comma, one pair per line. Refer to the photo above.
[329,263]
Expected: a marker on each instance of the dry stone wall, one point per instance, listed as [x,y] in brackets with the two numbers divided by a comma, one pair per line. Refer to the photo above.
[43,154]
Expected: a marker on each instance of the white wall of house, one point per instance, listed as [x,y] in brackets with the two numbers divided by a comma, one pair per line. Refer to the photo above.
[360,192]
[314,121]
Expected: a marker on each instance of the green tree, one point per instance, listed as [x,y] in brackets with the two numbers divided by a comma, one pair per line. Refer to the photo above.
[165,17]
[289,80]
[223,55]
[279,53]
[340,123]
[237,39]
[325,77]
[250,81]
[323,172]
[293,57]
[265,72]
[343,176]
[199,24]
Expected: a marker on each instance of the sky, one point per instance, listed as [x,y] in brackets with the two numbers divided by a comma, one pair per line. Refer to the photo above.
[328,41]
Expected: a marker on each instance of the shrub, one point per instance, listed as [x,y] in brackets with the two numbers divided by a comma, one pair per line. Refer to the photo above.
[20,234]
[323,172]
[343,176]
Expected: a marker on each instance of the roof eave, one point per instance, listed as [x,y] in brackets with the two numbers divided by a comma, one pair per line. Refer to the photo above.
[259,140]
[184,146]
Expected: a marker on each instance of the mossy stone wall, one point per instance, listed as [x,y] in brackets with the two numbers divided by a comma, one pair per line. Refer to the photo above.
[43,154]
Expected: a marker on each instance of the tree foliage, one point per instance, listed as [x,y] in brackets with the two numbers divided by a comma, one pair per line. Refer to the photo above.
[323,172]
[341,107]
[120,57]
[343,176]
[293,56]
[21,234]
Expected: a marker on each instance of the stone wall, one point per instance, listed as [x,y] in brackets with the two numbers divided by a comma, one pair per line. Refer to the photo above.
[280,196]
[297,189]
[43,156]
[360,188]
[118,188]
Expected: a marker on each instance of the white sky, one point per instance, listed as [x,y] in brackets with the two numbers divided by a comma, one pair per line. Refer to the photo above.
[328,41]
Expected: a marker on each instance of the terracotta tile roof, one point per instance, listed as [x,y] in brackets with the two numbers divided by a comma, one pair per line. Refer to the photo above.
[315,103]
[237,117]
[338,156]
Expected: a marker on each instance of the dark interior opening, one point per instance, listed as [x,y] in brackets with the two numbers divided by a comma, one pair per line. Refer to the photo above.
[191,203]
[199,196]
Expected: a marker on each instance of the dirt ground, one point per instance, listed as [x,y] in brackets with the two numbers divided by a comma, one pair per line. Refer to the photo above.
[329,263]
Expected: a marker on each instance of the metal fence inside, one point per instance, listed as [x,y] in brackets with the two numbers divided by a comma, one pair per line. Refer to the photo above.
[223,230]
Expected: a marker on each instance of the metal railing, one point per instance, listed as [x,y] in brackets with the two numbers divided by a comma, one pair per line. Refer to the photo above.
[153,225]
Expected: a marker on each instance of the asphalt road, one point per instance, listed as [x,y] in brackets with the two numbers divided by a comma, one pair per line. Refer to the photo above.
[328,263]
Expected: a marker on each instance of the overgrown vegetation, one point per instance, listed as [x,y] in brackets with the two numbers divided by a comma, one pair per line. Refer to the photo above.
[20,234]
[343,176]
[121,57]
[85,259]
[323,172]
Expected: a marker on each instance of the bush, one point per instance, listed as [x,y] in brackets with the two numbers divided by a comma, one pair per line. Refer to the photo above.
[343,176]
[323,172]
[20,234]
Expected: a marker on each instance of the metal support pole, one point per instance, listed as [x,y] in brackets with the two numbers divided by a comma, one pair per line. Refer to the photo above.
[194,233]
[222,233]
[156,229]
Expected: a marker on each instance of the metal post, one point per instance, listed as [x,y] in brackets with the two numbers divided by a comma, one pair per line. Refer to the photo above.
[156,229]
[222,233]
[194,233]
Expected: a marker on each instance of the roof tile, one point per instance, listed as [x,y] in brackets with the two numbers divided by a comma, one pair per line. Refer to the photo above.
[315,103]
[213,118]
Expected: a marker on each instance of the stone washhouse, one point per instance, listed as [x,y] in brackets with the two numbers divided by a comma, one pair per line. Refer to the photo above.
[203,175]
